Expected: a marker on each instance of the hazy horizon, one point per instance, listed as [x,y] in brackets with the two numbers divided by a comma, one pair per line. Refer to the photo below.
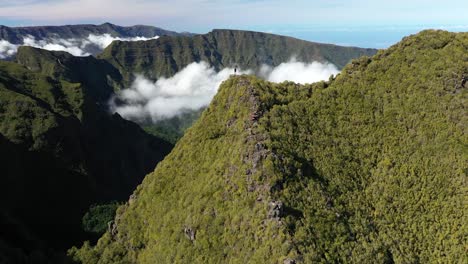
[376,24]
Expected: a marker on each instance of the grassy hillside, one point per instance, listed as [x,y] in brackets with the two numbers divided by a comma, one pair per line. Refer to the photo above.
[61,152]
[221,48]
[369,167]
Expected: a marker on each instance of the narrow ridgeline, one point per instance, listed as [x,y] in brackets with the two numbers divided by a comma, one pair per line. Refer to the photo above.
[368,167]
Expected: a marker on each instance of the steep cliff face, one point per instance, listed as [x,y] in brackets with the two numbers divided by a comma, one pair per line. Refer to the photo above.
[98,78]
[369,166]
[221,48]
[62,151]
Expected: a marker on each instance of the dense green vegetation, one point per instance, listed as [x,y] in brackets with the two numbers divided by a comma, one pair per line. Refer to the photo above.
[172,129]
[368,167]
[98,78]
[117,66]
[54,117]
[98,217]
[61,152]
[220,48]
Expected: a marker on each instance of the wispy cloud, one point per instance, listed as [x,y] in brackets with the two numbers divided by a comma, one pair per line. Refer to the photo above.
[74,46]
[299,72]
[7,49]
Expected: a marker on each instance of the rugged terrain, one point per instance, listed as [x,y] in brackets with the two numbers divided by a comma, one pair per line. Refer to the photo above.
[15,35]
[221,48]
[81,40]
[368,167]
[61,152]
[119,63]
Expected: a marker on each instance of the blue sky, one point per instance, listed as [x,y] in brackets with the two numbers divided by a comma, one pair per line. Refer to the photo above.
[362,23]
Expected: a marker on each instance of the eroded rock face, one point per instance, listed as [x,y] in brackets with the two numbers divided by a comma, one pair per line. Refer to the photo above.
[132,199]
[289,261]
[275,209]
[112,229]
[190,233]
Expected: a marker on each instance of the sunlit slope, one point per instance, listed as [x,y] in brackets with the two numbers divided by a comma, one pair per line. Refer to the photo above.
[370,167]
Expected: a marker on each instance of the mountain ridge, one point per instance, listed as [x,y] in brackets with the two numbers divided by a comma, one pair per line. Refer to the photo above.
[15,35]
[221,48]
[170,54]
[99,77]
[366,166]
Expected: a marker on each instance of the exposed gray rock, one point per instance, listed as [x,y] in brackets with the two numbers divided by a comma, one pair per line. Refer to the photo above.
[112,229]
[275,209]
[190,233]
[132,199]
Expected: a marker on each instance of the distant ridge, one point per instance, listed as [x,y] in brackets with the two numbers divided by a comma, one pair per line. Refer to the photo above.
[221,48]
[15,35]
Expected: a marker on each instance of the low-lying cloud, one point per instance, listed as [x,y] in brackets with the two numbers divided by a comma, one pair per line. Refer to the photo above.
[193,88]
[190,89]
[74,46]
[105,40]
[7,49]
[298,72]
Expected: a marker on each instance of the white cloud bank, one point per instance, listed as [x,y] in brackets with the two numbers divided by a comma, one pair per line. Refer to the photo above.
[105,40]
[190,89]
[7,49]
[74,46]
[298,72]
[194,86]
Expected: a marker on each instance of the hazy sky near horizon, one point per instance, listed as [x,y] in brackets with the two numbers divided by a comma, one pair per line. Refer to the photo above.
[363,23]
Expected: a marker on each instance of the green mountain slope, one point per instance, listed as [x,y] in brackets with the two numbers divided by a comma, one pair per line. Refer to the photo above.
[99,78]
[221,48]
[370,167]
[166,56]
[61,152]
